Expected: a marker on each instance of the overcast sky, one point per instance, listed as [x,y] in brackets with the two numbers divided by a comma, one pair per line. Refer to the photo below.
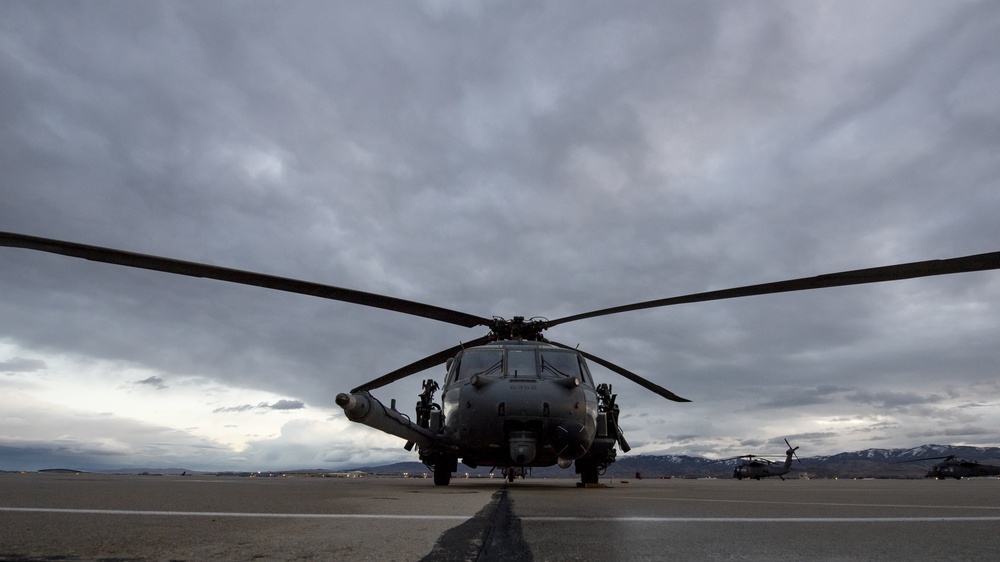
[497,158]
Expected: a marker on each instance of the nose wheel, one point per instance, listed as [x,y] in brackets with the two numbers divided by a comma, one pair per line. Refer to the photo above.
[512,472]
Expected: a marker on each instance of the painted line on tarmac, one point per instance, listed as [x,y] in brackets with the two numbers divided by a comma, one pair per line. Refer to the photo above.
[230,514]
[805,503]
[759,519]
[553,519]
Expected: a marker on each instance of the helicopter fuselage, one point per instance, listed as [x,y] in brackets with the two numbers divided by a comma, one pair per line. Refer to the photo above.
[757,469]
[508,404]
[962,469]
[518,404]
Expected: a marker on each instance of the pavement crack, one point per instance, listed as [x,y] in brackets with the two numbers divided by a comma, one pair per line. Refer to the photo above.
[493,534]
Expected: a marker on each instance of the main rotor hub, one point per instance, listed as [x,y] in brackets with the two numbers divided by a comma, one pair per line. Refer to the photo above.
[518,328]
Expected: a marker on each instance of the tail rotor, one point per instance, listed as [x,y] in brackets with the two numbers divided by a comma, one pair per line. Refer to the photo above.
[791,451]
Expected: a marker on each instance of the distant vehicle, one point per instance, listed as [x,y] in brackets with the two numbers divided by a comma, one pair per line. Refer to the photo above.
[953,467]
[757,467]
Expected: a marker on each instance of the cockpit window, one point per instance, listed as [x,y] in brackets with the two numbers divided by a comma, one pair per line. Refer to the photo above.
[559,364]
[521,363]
[481,362]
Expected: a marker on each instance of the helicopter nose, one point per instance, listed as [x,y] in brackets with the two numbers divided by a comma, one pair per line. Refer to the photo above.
[571,440]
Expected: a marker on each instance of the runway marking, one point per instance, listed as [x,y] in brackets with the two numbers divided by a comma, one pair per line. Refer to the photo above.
[833,504]
[231,514]
[760,519]
[930,519]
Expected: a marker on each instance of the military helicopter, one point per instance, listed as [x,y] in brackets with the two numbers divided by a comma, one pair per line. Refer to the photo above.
[757,467]
[511,399]
[953,467]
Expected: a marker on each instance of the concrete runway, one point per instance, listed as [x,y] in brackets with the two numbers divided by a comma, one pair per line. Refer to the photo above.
[115,518]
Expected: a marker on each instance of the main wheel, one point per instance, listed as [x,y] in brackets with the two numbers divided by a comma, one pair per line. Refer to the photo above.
[442,475]
[588,473]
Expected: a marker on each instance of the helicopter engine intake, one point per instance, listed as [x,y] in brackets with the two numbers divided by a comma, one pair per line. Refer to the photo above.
[571,440]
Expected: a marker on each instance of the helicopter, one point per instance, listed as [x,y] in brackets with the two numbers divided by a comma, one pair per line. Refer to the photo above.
[757,467]
[956,468]
[511,399]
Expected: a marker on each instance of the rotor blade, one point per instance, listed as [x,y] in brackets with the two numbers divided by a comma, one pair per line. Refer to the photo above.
[926,459]
[733,458]
[417,366]
[193,269]
[648,385]
[979,262]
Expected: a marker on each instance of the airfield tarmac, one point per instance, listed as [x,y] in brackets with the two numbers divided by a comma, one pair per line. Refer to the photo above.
[115,518]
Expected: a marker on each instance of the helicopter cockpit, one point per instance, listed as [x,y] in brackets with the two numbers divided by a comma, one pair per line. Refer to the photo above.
[519,362]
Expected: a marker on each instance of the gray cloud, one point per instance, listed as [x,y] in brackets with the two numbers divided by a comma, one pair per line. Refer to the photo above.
[232,409]
[279,405]
[891,399]
[286,405]
[21,365]
[153,381]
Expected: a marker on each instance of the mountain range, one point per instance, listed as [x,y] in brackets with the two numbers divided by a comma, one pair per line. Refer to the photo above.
[869,463]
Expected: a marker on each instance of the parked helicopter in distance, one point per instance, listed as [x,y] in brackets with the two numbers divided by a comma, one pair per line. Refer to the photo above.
[757,467]
[956,468]
[511,399]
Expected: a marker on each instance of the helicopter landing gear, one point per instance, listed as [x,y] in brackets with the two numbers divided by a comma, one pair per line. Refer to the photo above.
[512,472]
[589,472]
[443,469]
[442,477]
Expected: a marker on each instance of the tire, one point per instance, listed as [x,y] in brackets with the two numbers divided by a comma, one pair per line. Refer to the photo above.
[442,475]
